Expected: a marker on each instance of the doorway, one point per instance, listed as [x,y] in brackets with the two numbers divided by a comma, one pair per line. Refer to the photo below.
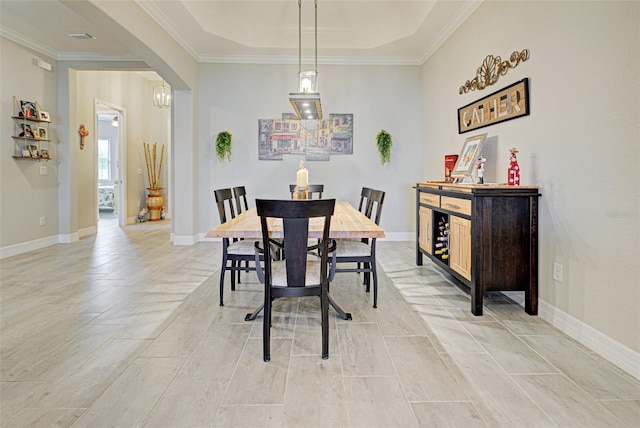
[109,165]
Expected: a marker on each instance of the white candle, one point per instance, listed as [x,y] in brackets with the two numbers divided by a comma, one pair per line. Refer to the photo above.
[302,178]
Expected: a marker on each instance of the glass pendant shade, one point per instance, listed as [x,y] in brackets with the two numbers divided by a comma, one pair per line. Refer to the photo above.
[308,82]
[162,96]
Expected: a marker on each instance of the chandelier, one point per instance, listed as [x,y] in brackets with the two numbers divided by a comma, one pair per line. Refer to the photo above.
[162,96]
[306,102]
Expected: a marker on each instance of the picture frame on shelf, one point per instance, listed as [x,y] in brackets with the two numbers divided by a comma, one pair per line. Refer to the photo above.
[28,109]
[42,133]
[44,116]
[27,132]
[34,151]
[471,149]
[44,154]
[26,153]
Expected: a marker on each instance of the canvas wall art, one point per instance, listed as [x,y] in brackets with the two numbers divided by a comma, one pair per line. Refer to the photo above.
[316,140]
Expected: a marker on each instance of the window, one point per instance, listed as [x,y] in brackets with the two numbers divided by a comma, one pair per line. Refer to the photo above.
[104,160]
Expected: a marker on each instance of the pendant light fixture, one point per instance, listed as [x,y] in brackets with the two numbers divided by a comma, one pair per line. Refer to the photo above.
[114,122]
[162,96]
[306,102]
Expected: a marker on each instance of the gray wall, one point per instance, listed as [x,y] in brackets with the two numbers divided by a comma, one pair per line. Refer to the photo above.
[26,195]
[234,97]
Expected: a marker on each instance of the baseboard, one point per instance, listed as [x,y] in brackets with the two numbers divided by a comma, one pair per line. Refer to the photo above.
[399,236]
[69,238]
[396,236]
[184,239]
[87,231]
[622,356]
[25,247]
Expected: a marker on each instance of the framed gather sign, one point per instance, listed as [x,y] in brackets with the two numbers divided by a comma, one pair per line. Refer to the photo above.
[506,104]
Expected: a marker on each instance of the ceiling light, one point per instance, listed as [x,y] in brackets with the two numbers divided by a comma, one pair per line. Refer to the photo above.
[307,95]
[162,96]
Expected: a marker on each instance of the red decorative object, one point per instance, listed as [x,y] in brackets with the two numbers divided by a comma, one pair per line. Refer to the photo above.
[449,164]
[514,168]
[82,131]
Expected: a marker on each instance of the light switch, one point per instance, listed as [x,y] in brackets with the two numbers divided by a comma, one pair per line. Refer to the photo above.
[43,170]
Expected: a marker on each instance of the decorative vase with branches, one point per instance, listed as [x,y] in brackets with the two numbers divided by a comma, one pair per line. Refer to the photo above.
[384,143]
[155,200]
[223,146]
[154,170]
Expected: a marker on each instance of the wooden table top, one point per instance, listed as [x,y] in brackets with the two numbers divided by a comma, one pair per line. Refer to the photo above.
[346,222]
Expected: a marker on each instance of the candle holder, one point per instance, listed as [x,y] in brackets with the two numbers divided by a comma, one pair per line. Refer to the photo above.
[301,193]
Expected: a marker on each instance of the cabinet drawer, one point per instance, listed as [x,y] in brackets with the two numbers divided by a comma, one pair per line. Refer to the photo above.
[462,206]
[430,199]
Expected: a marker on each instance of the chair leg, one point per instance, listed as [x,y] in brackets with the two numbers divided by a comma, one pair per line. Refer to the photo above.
[367,276]
[222,271]
[266,327]
[324,307]
[234,264]
[375,285]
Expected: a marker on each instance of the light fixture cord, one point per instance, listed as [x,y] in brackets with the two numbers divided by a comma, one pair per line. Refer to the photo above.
[299,37]
[316,35]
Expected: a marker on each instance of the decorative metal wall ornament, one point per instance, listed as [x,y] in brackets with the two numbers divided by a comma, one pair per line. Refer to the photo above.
[491,69]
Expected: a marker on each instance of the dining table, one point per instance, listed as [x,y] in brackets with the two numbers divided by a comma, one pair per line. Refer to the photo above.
[346,222]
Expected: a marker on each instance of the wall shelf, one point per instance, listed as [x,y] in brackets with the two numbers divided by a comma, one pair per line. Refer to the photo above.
[30,131]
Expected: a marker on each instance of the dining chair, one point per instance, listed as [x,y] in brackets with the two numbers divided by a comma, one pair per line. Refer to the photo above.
[298,274]
[311,190]
[363,252]
[235,251]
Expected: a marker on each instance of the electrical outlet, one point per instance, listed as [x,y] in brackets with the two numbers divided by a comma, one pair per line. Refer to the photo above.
[139,171]
[43,220]
[43,170]
[557,272]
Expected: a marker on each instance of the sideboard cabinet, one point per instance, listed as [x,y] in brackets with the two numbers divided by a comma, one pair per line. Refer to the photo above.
[485,236]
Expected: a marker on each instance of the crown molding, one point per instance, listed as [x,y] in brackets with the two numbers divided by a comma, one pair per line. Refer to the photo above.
[163,21]
[451,27]
[25,41]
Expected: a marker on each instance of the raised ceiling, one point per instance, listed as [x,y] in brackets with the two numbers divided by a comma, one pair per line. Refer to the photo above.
[258,31]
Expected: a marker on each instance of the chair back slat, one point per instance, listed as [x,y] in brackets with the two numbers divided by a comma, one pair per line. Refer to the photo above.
[376,200]
[240,194]
[365,196]
[295,250]
[224,201]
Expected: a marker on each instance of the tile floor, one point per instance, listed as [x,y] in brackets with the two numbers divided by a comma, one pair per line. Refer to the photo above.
[124,329]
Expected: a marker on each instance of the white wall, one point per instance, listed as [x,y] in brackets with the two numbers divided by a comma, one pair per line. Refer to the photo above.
[580,143]
[234,97]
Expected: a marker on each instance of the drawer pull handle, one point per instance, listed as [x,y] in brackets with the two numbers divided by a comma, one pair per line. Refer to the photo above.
[453,205]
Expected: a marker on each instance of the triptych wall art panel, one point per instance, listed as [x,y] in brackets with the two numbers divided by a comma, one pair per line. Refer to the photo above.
[316,140]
